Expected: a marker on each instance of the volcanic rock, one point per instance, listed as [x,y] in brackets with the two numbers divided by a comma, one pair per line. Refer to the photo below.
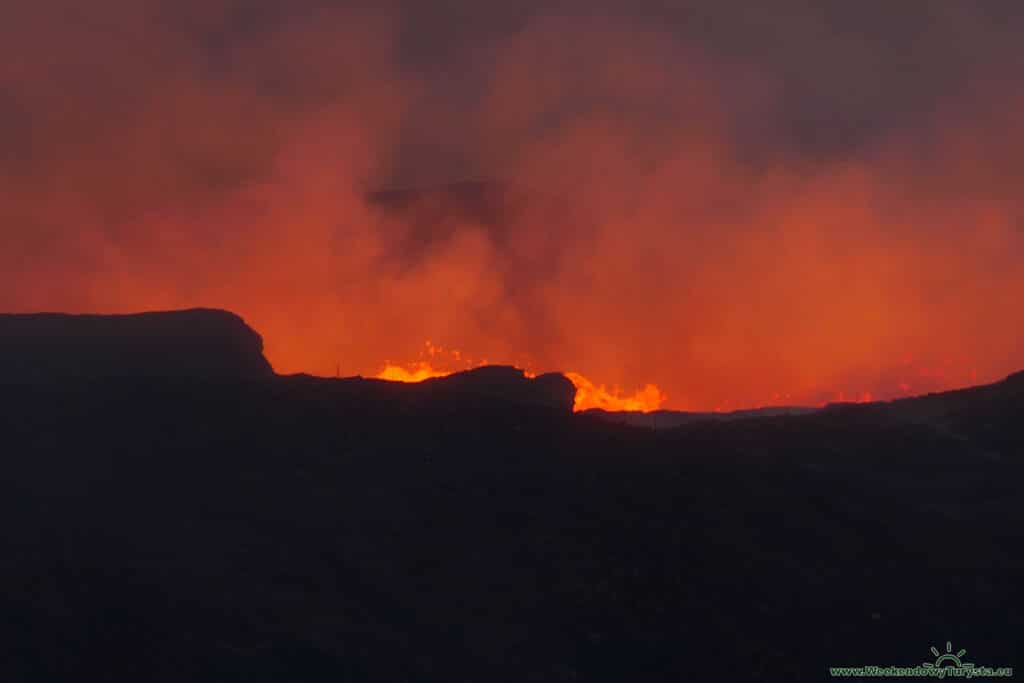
[196,343]
[507,383]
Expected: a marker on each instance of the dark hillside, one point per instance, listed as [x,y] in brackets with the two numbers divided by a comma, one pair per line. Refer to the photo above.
[304,529]
[192,343]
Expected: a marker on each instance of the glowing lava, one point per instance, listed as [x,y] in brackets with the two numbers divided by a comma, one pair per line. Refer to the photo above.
[436,361]
[417,372]
[588,394]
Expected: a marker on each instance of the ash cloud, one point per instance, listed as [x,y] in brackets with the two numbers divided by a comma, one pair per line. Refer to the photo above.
[732,201]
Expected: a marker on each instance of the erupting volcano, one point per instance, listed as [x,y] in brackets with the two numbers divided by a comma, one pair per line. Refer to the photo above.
[673,225]
[588,340]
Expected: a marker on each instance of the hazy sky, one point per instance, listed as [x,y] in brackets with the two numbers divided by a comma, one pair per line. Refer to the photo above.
[809,78]
[770,197]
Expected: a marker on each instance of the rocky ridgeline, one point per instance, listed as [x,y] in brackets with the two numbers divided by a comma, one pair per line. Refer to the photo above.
[46,347]
[54,348]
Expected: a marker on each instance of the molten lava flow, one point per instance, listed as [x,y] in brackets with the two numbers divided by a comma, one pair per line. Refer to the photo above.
[650,397]
[417,372]
[588,394]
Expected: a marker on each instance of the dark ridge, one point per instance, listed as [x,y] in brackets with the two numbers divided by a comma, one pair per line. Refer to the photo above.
[193,343]
[507,383]
[667,419]
[317,529]
[493,386]
[213,345]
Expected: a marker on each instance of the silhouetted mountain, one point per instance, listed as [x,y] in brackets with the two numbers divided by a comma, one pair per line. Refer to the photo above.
[471,528]
[192,343]
[506,383]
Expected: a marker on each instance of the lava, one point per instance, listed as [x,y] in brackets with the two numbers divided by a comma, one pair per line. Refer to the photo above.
[417,372]
[436,361]
[588,393]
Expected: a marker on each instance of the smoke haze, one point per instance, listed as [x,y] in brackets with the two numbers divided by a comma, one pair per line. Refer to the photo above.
[741,205]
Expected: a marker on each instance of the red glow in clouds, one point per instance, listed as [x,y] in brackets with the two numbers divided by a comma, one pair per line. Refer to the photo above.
[659,233]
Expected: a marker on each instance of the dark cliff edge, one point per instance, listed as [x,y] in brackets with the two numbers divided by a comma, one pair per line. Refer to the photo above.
[50,349]
[196,343]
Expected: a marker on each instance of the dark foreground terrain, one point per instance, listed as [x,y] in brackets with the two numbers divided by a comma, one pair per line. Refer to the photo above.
[249,527]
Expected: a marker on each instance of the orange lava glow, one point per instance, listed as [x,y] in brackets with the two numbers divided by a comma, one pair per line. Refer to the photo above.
[659,226]
[416,373]
[588,394]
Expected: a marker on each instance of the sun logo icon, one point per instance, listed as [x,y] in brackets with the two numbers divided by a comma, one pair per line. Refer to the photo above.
[947,659]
